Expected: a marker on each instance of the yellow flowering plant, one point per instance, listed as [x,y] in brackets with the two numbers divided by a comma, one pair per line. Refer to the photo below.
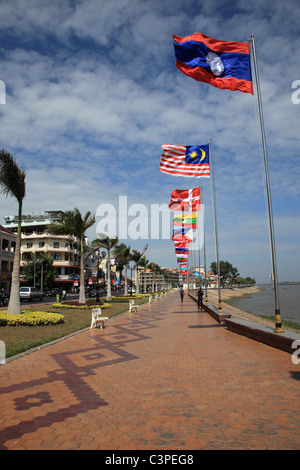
[30,318]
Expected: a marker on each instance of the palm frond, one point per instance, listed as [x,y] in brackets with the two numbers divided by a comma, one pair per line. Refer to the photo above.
[12,178]
[72,223]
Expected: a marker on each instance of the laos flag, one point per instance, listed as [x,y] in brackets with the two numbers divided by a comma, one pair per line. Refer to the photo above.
[223,64]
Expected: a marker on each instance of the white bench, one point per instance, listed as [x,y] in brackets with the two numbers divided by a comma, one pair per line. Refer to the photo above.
[132,306]
[97,318]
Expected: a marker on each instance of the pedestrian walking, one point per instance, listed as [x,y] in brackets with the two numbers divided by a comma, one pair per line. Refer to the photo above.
[181,294]
[200,298]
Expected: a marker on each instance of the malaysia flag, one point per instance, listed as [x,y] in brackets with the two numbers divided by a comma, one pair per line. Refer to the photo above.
[185,160]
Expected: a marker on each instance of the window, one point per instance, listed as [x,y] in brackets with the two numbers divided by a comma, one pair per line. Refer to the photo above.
[4,245]
[55,244]
[56,256]
[41,244]
[29,244]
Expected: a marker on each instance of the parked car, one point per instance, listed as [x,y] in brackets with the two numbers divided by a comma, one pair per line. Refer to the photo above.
[30,294]
[53,292]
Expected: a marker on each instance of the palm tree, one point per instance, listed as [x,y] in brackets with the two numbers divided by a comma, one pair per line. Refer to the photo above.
[12,183]
[122,255]
[107,243]
[136,256]
[156,270]
[152,267]
[72,223]
[144,264]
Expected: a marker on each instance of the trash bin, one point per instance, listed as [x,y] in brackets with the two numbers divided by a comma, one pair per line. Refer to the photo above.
[57,298]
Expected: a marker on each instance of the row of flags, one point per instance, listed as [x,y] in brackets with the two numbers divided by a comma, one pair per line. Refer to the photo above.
[184,222]
[225,65]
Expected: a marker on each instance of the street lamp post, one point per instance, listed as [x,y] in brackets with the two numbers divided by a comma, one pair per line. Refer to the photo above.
[97,290]
[103,254]
[131,269]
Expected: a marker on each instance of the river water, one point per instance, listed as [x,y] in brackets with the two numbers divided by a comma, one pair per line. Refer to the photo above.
[263,302]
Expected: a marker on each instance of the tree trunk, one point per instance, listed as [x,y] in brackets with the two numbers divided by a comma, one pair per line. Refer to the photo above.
[82,286]
[14,305]
[108,297]
[126,281]
[136,280]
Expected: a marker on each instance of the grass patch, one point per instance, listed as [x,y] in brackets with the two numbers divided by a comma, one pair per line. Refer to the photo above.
[20,338]
[285,323]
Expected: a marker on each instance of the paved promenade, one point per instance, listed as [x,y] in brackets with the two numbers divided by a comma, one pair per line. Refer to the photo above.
[165,378]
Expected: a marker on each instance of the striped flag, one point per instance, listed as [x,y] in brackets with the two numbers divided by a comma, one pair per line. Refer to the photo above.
[181,160]
[182,244]
[182,234]
[181,251]
[185,199]
[181,257]
[186,220]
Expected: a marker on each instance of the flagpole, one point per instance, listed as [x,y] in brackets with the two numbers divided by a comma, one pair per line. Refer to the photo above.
[198,226]
[215,220]
[204,250]
[278,325]
[187,273]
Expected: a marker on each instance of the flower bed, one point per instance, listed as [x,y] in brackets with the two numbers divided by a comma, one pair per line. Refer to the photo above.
[80,306]
[76,302]
[31,318]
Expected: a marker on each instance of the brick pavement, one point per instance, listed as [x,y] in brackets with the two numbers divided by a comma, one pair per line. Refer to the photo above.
[164,378]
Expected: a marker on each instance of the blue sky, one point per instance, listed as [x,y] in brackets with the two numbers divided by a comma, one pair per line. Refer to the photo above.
[92,92]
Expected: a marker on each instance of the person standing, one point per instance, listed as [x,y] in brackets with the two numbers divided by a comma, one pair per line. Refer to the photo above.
[200,298]
[181,294]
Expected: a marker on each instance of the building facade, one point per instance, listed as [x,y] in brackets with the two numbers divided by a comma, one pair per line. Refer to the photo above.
[149,280]
[8,245]
[63,250]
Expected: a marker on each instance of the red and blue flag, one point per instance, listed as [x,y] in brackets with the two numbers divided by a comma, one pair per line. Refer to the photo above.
[181,251]
[223,64]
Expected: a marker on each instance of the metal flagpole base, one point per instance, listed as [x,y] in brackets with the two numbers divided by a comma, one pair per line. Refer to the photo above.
[278,328]
[220,310]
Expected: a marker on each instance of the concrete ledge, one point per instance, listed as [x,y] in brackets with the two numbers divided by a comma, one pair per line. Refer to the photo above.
[257,332]
[213,311]
[263,334]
